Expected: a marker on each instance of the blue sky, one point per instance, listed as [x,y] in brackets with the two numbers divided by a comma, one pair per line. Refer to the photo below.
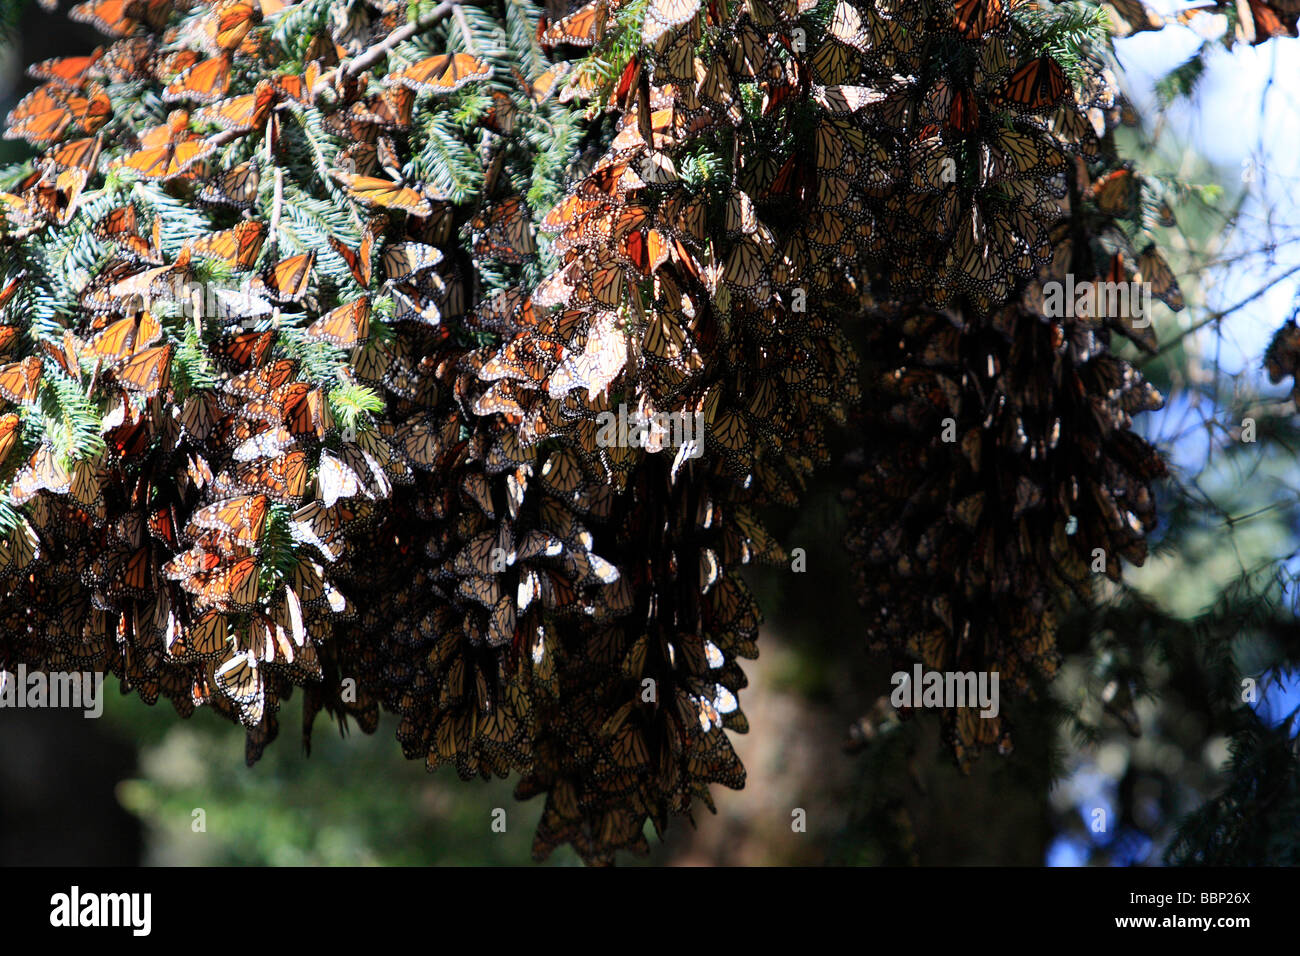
[1243,119]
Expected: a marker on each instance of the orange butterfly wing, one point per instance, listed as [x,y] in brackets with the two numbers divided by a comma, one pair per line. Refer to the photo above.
[204,82]
[237,247]
[444,73]
[148,371]
[19,381]
[373,191]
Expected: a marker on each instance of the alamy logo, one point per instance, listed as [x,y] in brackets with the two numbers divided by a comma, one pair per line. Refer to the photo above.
[75,691]
[652,432]
[75,909]
[946,689]
[1097,300]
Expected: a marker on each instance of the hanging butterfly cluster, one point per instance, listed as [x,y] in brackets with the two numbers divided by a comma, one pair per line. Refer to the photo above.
[440,363]
[237,380]
[999,470]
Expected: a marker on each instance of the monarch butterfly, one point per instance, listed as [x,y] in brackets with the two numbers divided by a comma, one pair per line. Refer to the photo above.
[1011,155]
[277,407]
[79,155]
[346,326]
[975,19]
[43,472]
[129,577]
[359,260]
[232,588]
[66,357]
[584,28]
[267,444]
[390,108]
[261,382]
[663,16]
[8,434]
[10,290]
[307,579]
[167,150]
[240,113]
[19,381]
[237,247]
[984,251]
[540,89]
[205,639]
[121,17]
[233,305]
[647,250]
[236,187]
[1036,87]
[500,398]
[282,479]
[241,681]
[559,288]
[505,232]
[243,518]
[308,411]
[1266,20]
[205,82]
[582,84]
[526,359]
[322,527]
[501,624]
[747,266]
[69,71]
[121,225]
[443,73]
[370,459]
[126,281]
[45,114]
[1115,193]
[599,363]
[44,201]
[846,27]
[148,371]
[244,350]
[412,306]
[233,22]
[500,116]
[373,191]
[132,58]
[124,336]
[1134,16]
[684,216]
[162,67]
[289,279]
[406,260]
[605,283]
[1154,269]
[335,480]
[417,441]
[572,211]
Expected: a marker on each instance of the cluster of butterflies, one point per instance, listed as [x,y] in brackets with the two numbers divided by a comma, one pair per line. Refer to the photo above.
[371,465]
[999,472]
[187,509]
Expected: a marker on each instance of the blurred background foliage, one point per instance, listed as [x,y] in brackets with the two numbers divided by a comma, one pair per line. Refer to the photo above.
[1146,723]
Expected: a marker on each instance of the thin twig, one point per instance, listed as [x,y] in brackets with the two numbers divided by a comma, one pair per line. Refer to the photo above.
[1220,315]
[377,52]
[276,203]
